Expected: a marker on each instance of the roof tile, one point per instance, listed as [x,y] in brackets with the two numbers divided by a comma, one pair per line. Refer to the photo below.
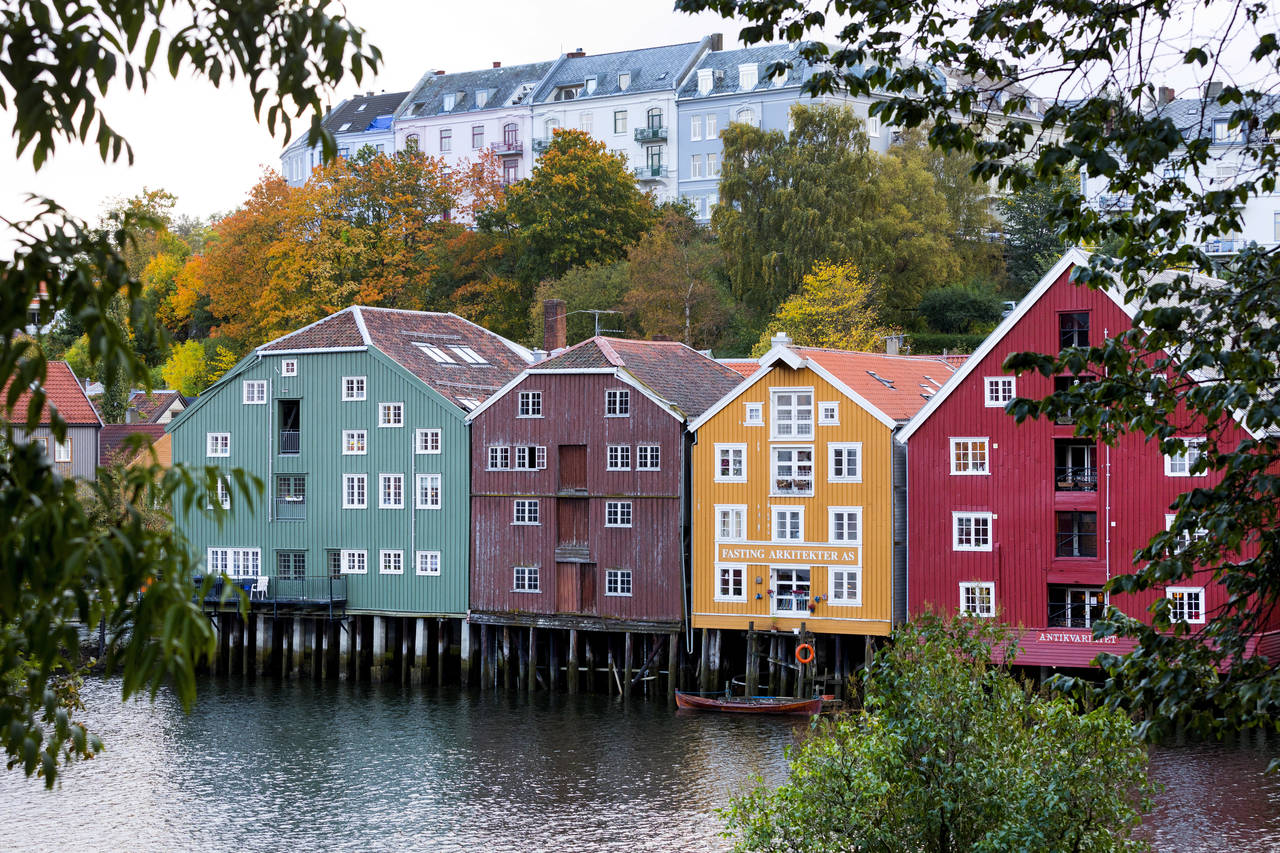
[897,385]
[62,391]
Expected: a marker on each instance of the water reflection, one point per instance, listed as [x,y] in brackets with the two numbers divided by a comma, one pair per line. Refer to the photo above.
[263,767]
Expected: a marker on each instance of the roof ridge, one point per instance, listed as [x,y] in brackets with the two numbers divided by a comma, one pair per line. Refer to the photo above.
[609,352]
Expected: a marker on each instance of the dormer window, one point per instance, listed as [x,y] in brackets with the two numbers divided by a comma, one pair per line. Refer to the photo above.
[566,93]
[482,98]
[705,80]
[748,76]
[591,85]
[780,79]
[624,81]
[450,100]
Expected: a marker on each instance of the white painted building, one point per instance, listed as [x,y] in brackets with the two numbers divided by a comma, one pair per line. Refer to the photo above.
[356,122]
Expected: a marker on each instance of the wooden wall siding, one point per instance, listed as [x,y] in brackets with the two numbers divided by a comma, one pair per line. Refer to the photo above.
[328,526]
[84,449]
[1133,491]
[874,494]
[573,409]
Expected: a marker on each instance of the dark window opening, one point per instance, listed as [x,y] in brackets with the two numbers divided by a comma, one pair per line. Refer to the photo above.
[1077,534]
[1075,606]
[1073,327]
[1075,466]
[290,427]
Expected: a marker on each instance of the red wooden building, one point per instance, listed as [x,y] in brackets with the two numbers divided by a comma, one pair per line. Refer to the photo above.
[579,489]
[1028,521]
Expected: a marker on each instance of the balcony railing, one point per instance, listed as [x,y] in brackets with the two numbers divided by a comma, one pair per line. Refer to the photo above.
[1115,202]
[290,442]
[795,486]
[291,508]
[515,146]
[541,144]
[650,173]
[651,134]
[791,603]
[318,591]
[1077,545]
[1075,479]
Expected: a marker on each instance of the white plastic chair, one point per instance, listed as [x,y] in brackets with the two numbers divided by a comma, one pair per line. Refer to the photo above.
[259,589]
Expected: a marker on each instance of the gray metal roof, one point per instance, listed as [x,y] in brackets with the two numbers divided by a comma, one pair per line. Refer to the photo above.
[724,65]
[360,111]
[652,69]
[502,87]
[1195,117]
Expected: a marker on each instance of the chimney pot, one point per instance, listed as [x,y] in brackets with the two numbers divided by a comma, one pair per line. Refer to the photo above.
[440,72]
[1166,95]
[497,65]
[781,339]
[717,41]
[892,344]
[1212,90]
[554,334]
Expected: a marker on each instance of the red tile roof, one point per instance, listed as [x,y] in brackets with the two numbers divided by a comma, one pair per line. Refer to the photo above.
[742,366]
[63,393]
[153,405]
[897,385]
[111,441]
[336,330]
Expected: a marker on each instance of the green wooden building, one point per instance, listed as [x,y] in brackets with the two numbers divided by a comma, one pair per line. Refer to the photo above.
[356,427]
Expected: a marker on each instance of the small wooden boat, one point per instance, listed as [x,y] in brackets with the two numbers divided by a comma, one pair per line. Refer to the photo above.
[748,704]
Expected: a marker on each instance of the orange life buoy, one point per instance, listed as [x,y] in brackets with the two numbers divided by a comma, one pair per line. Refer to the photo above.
[804,653]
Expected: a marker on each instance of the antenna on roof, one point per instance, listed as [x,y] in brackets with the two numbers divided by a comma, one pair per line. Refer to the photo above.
[597,312]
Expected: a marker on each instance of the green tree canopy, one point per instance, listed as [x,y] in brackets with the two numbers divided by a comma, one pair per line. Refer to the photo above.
[833,308]
[961,309]
[1031,226]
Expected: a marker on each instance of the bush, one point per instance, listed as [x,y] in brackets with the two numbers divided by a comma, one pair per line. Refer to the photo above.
[960,309]
[923,343]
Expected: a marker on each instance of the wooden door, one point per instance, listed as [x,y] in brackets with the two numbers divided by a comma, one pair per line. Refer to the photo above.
[573,467]
[588,588]
[567,595]
[572,521]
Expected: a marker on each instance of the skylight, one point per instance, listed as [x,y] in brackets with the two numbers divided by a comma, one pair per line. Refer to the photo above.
[434,352]
[469,355]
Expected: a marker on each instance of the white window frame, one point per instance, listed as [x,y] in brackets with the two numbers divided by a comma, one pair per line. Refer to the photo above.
[620,508]
[737,516]
[1198,591]
[390,415]
[425,439]
[619,399]
[288,367]
[695,128]
[845,600]
[1184,539]
[422,486]
[217,444]
[532,579]
[355,389]
[532,511]
[774,511]
[972,470]
[829,413]
[795,463]
[623,454]
[500,453]
[978,587]
[362,482]
[728,568]
[713,131]
[647,455]
[423,562]
[750,409]
[62,450]
[847,448]
[527,402]
[224,491]
[695,165]
[520,457]
[1180,465]
[856,512]
[998,390]
[971,515]
[387,496]
[730,477]
[391,562]
[253,392]
[355,561]
[615,578]
[234,562]
[361,439]
[794,423]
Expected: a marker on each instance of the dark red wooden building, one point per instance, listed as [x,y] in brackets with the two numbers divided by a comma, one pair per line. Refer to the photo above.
[1027,522]
[579,490]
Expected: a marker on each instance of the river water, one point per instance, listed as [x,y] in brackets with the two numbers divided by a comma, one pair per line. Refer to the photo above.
[340,767]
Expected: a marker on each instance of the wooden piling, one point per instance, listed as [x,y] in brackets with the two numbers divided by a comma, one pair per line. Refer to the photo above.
[704,663]
[331,649]
[508,671]
[626,664]
[533,659]
[753,662]
[571,673]
[673,664]
[442,650]
[486,665]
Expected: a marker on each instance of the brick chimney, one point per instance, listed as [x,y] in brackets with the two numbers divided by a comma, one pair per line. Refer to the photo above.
[440,72]
[717,41]
[576,54]
[554,334]
[1166,95]
[497,65]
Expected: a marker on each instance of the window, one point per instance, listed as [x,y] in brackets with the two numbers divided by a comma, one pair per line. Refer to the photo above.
[391,491]
[1185,537]
[788,524]
[617,403]
[712,133]
[792,471]
[1275,226]
[624,81]
[353,388]
[844,463]
[999,390]
[748,76]
[617,514]
[391,414]
[754,415]
[1073,329]
[969,456]
[792,413]
[619,121]
[333,561]
[291,565]
[1075,606]
[746,115]
[829,414]
[1186,603]
[653,158]
[971,531]
[217,443]
[1180,464]
[354,562]
[619,457]
[528,457]
[617,582]
[525,512]
[530,404]
[695,128]
[450,101]
[391,562]
[1223,132]
[353,491]
[1075,466]
[224,492]
[731,463]
[434,352]
[255,392]
[477,136]
[844,587]
[235,562]
[62,451]
[844,525]
[585,122]
[291,497]
[1077,534]
[653,118]
[482,98]
[289,367]
[730,583]
[648,457]
[499,458]
[354,442]
[695,166]
[469,355]
[731,523]
[428,562]
[790,591]
[446,138]
[426,489]
[873,126]
[978,599]
[510,171]
[426,441]
[713,169]
[526,579]
[411,142]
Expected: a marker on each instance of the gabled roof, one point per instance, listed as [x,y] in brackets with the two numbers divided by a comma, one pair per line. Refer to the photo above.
[724,67]
[503,87]
[361,112]
[652,69]
[1194,117]
[112,448]
[740,366]
[153,405]
[62,392]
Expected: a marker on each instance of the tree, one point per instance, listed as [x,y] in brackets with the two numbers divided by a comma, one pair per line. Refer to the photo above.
[834,308]
[1032,241]
[1202,352]
[961,309]
[952,753]
[187,370]
[602,287]
[58,566]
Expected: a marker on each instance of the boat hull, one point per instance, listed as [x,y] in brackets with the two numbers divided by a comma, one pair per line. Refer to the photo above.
[693,702]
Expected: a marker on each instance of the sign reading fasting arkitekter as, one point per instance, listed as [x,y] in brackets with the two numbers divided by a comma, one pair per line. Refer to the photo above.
[776,553]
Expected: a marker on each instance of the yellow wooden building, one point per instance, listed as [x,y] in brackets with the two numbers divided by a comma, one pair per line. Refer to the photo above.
[799,492]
